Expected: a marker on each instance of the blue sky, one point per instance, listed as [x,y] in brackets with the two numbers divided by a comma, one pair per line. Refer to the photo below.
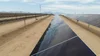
[59,6]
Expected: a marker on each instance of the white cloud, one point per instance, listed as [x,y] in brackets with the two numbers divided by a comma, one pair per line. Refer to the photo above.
[33,1]
[4,0]
[72,8]
[25,0]
[58,6]
[55,1]
[28,0]
[81,1]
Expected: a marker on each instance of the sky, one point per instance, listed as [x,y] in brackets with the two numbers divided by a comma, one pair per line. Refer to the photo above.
[51,6]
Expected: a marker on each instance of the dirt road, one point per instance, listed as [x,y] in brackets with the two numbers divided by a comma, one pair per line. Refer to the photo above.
[89,38]
[9,27]
[21,42]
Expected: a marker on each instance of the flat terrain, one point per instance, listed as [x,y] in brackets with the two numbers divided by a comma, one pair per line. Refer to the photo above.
[93,19]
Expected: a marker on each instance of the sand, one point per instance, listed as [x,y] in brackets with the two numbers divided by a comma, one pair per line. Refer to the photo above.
[22,41]
[90,39]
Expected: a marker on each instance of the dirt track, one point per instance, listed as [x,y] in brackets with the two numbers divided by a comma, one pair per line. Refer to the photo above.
[22,41]
[9,27]
[91,39]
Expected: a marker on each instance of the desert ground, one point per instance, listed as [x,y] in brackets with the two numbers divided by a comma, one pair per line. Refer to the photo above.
[18,39]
